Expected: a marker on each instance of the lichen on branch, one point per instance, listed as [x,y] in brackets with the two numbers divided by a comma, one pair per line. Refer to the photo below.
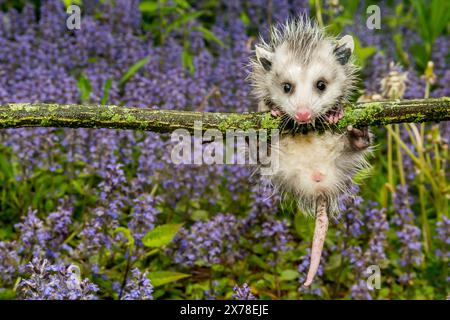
[16,115]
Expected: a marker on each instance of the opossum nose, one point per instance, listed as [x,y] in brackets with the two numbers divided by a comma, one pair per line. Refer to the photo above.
[303,116]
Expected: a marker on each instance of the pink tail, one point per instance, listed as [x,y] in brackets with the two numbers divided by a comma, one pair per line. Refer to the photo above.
[320,233]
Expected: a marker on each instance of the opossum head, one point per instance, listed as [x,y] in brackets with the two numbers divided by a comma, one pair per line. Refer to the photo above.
[302,72]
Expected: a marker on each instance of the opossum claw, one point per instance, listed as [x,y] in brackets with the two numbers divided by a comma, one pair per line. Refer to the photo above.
[320,233]
[359,138]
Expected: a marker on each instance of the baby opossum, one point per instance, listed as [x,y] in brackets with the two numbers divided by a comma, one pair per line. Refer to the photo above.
[305,77]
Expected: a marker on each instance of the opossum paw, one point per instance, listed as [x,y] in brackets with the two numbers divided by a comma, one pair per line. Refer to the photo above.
[359,138]
[334,115]
[276,112]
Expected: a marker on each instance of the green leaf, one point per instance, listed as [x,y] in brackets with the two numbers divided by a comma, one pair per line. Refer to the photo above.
[133,70]
[432,18]
[70,2]
[420,55]
[85,88]
[188,61]
[6,168]
[106,90]
[245,19]
[7,294]
[153,9]
[183,19]
[208,35]
[199,215]
[159,278]
[334,262]
[127,234]
[161,235]
[399,47]
[289,275]
[182,4]
[148,7]
[362,53]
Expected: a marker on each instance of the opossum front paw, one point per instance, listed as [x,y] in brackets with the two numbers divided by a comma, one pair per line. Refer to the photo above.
[276,112]
[359,138]
[334,115]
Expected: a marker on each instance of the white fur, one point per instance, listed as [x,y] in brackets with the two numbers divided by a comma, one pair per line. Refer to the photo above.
[263,53]
[321,66]
[348,42]
[301,156]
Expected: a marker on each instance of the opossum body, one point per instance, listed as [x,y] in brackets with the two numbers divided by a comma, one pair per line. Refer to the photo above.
[305,77]
[316,164]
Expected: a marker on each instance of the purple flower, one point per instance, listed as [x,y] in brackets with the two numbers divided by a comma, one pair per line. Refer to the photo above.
[54,282]
[275,235]
[443,235]
[409,234]
[138,287]
[360,291]
[242,293]
[349,213]
[208,243]
[144,216]
[261,223]
[9,262]
[33,234]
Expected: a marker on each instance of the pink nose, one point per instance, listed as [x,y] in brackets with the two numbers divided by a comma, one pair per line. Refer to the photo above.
[303,116]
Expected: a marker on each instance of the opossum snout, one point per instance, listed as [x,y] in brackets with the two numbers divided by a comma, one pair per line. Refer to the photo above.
[303,116]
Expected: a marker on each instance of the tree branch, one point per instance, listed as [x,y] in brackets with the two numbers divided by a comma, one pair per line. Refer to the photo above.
[114,117]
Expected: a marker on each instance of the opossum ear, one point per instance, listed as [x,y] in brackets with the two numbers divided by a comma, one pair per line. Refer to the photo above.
[344,49]
[264,57]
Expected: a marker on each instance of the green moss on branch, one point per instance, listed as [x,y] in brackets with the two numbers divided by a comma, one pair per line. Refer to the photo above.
[114,117]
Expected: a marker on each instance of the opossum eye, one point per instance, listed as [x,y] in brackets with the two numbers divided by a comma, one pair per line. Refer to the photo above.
[287,87]
[321,85]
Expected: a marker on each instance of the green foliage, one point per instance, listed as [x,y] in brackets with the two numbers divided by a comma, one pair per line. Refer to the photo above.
[70,2]
[161,235]
[85,88]
[432,19]
[18,4]
[362,53]
[106,90]
[159,278]
[164,18]
[133,70]
[127,234]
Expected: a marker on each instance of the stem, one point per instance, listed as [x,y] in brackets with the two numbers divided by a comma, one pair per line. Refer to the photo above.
[415,160]
[269,16]
[389,158]
[319,13]
[125,276]
[421,152]
[401,171]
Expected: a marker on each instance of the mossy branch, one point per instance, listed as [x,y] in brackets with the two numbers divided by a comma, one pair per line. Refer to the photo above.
[114,117]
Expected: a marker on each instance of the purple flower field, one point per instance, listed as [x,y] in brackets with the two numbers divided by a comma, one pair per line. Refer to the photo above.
[106,214]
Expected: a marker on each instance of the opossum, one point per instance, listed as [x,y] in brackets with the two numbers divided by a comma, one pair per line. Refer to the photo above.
[305,76]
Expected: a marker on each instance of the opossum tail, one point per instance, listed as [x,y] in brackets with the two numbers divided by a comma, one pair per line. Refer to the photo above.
[320,233]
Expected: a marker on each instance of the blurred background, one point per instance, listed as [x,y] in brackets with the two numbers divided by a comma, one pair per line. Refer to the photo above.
[109,211]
